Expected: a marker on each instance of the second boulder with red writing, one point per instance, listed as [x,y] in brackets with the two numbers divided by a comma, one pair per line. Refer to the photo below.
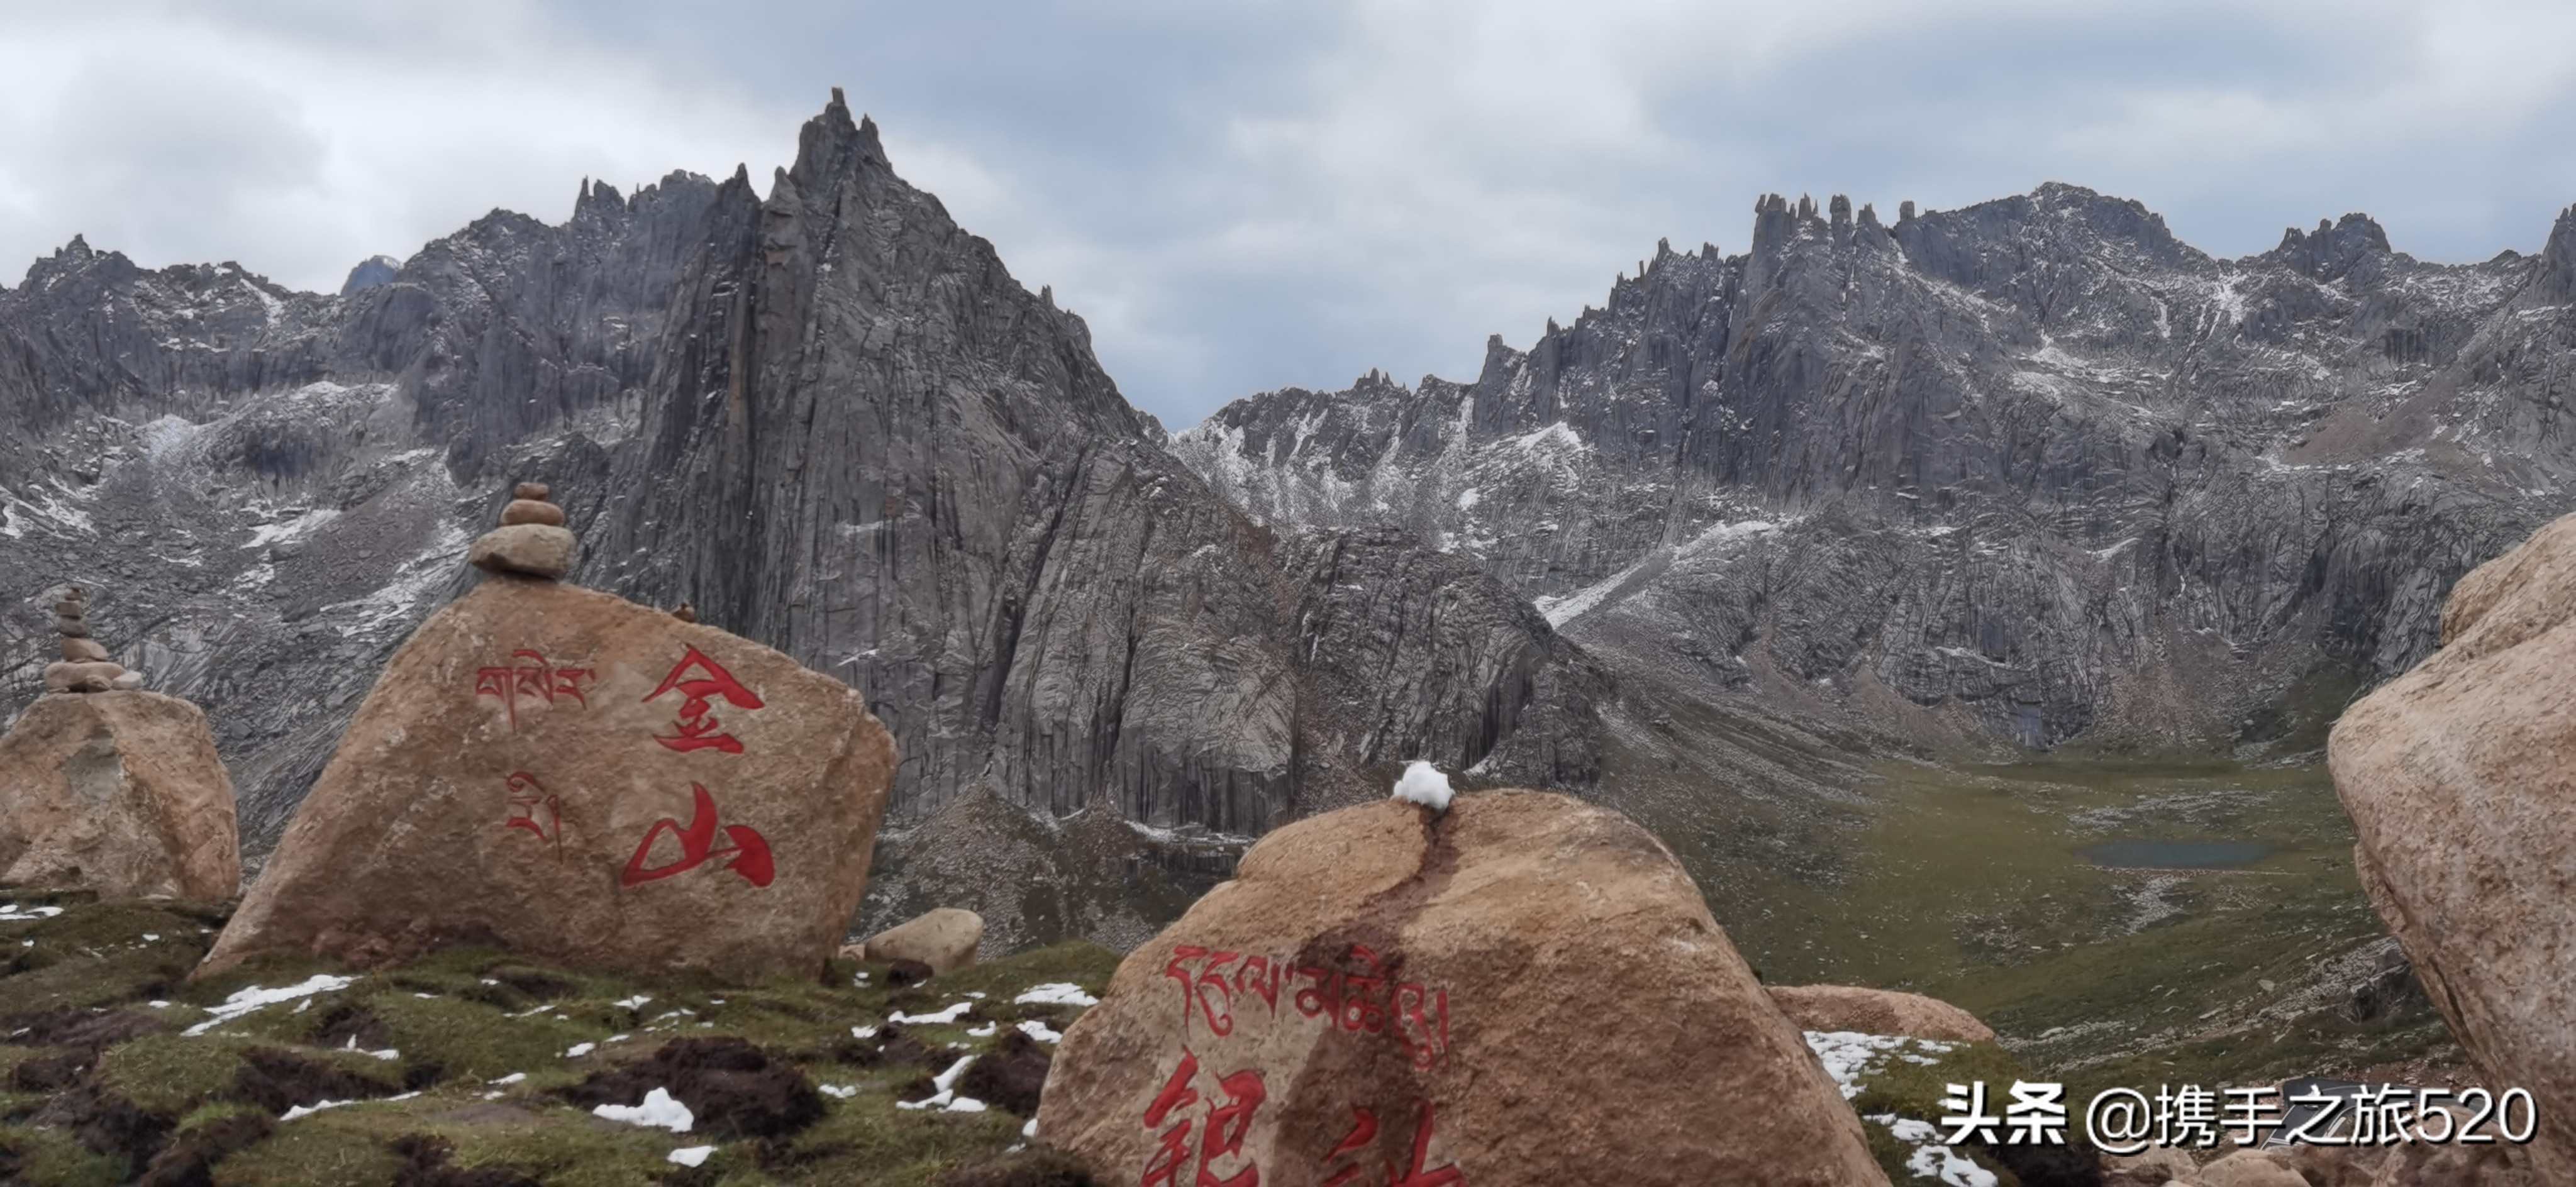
[583,780]
[1523,990]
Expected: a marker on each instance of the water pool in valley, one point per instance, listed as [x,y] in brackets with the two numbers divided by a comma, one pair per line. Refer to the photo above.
[2110,914]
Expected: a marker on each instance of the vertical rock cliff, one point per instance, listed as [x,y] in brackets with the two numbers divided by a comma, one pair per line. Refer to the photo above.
[827,416]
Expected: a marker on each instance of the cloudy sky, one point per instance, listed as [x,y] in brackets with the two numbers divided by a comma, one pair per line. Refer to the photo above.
[1242,195]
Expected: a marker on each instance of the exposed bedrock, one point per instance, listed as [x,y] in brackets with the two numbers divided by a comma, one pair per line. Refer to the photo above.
[2022,473]
[823,417]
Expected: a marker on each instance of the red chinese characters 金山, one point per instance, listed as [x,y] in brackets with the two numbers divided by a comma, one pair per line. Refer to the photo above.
[697,722]
[534,810]
[1227,1123]
[748,850]
[1364,1132]
[535,678]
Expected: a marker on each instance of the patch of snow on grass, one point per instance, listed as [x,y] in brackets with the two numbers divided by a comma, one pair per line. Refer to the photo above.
[1057,993]
[659,1111]
[243,1001]
[946,1097]
[1040,1031]
[942,1018]
[1848,1054]
[1931,1159]
[691,1155]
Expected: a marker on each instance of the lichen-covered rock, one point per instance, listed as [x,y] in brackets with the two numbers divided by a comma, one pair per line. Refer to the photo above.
[1525,989]
[2460,777]
[1878,1012]
[582,779]
[117,791]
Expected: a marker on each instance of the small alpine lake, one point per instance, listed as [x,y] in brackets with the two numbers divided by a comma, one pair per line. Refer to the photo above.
[2116,920]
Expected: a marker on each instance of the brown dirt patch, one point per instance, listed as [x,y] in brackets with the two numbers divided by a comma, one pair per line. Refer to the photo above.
[425,1165]
[190,1158]
[734,1089]
[1009,1076]
[278,1080]
[110,1124]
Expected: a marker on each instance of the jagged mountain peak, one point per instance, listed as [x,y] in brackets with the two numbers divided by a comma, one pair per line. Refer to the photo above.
[2334,250]
[2558,258]
[828,418]
[2103,411]
[832,145]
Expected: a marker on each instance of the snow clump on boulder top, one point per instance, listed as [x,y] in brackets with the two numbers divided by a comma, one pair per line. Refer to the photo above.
[1424,784]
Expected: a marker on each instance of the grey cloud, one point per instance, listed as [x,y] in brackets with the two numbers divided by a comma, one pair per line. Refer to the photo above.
[1243,196]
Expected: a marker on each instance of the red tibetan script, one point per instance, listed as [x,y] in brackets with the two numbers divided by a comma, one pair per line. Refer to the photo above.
[1364,1131]
[697,723]
[536,678]
[1361,998]
[1226,1124]
[748,849]
[532,809]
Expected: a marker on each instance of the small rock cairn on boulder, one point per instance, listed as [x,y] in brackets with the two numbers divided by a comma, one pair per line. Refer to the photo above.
[1523,990]
[2460,777]
[944,938]
[531,541]
[85,666]
[582,780]
[114,789]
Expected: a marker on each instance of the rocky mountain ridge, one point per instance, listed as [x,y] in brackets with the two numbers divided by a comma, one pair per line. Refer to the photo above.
[827,416]
[2022,474]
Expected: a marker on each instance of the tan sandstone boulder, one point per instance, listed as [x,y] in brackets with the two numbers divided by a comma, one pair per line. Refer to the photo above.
[117,791]
[2252,1168]
[2460,777]
[2148,1167]
[2421,1165]
[945,938]
[1878,1012]
[584,780]
[1524,990]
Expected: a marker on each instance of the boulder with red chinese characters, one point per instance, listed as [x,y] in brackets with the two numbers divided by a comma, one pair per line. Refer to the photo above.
[1523,990]
[118,791]
[2460,778]
[581,779]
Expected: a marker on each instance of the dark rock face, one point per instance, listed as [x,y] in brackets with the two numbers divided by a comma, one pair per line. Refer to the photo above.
[372,272]
[827,417]
[2021,473]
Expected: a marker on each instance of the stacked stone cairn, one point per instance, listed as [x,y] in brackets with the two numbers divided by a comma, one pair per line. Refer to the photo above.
[85,666]
[531,541]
